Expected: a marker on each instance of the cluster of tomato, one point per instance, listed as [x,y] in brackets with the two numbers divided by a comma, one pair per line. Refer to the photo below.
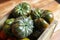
[25,23]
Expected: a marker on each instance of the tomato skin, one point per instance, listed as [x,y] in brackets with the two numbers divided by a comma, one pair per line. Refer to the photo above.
[41,23]
[22,9]
[25,39]
[22,28]
[48,16]
[36,13]
[7,26]
[11,38]
[2,35]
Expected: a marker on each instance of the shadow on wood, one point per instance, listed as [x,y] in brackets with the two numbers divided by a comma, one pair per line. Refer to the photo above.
[2,1]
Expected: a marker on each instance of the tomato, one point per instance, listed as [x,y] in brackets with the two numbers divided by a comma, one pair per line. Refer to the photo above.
[2,35]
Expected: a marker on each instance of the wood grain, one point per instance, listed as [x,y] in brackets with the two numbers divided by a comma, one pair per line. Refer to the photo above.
[56,35]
